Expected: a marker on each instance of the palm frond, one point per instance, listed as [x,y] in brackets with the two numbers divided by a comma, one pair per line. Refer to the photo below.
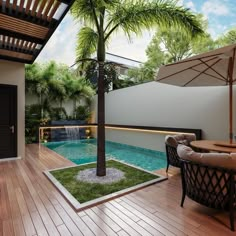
[32,72]
[82,10]
[134,16]
[42,88]
[49,71]
[86,43]
[57,89]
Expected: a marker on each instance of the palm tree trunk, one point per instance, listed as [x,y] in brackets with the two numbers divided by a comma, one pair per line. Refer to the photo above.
[101,160]
[74,108]
[41,105]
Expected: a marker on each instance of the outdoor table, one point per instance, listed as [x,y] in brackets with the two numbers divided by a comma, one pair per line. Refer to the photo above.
[214,145]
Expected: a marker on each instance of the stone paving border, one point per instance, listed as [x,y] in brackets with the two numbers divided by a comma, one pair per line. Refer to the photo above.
[82,206]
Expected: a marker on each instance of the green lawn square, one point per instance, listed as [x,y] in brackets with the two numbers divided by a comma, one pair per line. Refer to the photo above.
[84,191]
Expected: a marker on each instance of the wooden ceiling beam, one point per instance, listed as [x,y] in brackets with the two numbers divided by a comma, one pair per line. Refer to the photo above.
[28,6]
[54,9]
[26,15]
[7,3]
[17,43]
[16,59]
[21,5]
[6,52]
[49,6]
[24,47]
[25,24]
[14,5]
[34,8]
[40,10]
[16,25]
[21,36]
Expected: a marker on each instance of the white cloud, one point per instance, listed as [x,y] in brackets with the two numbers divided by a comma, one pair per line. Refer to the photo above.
[190,5]
[135,49]
[215,7]
[213,32]
[180,2]
[61,46]
[216,30]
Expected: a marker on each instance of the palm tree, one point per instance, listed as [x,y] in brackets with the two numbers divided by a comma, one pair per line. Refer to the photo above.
[32,76]
[57,91]
[36,84]
[102,18]
[77,89]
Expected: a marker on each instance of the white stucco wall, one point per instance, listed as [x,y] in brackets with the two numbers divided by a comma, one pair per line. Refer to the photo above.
[161,105]
[13,73]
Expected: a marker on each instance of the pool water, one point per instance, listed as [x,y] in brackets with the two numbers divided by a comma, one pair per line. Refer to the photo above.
[85,151]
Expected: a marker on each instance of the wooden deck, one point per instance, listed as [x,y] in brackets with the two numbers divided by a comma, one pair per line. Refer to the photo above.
[30,205]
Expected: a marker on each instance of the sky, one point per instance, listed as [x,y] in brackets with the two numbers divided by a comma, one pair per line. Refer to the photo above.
[221,16]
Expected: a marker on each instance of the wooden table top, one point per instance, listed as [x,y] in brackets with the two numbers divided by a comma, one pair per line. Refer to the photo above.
[214,145]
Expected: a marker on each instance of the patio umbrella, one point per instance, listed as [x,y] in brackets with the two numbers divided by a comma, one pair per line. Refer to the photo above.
[212,68]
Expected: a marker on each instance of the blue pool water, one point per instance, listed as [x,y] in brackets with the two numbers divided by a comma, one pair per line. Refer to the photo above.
[85,151]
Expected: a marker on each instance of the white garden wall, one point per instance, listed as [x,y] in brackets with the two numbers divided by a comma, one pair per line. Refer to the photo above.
[161,105]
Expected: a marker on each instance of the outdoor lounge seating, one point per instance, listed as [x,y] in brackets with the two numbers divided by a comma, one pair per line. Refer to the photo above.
[171,142]
[209,179]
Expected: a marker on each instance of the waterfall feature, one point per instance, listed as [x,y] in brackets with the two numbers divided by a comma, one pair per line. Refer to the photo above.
[73,133]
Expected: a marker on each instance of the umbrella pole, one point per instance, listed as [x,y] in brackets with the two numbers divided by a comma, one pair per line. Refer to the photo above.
[231,112]
[231,68]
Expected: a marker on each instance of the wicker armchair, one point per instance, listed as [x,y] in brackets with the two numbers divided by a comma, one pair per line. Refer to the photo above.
[171,142]
[209,179]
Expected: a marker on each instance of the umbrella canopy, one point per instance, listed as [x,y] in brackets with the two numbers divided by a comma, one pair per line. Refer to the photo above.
[213,68]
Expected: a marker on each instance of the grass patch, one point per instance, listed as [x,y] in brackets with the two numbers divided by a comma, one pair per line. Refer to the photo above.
[84,191]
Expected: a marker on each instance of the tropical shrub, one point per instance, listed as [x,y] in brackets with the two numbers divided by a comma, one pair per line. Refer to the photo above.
[83,113]
[32,122]
[58,113]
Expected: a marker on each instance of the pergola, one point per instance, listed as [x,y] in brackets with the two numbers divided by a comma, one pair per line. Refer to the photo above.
[27,25]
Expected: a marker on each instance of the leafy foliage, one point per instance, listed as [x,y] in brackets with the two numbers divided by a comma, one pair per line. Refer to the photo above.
[110,75]
[122,83]
[82,113]
[169,46]
[228,38]
[32,122]
[102,18]
[52,82]
[57,83]
[58,113]
[85,35]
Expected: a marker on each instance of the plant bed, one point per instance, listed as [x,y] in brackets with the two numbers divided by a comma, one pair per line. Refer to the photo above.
[84,194]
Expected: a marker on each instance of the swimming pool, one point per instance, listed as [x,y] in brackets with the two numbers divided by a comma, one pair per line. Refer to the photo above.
[85,151]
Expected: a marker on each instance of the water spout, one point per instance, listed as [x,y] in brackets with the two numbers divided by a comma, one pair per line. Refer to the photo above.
[73,133]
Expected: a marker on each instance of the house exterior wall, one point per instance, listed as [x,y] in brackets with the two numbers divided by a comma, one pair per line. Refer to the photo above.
[13,73]
[161,105]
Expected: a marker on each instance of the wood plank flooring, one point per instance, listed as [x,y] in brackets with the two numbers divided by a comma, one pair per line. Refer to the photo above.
[31,205]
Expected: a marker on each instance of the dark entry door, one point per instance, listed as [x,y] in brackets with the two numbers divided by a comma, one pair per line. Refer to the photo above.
[8,118]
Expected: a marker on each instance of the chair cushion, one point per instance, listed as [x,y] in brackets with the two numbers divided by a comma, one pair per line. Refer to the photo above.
[224,160]
[170,140]
[174,140]
[187,153]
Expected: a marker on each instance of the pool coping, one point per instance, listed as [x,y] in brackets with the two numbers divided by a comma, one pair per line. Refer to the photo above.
[82,206]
